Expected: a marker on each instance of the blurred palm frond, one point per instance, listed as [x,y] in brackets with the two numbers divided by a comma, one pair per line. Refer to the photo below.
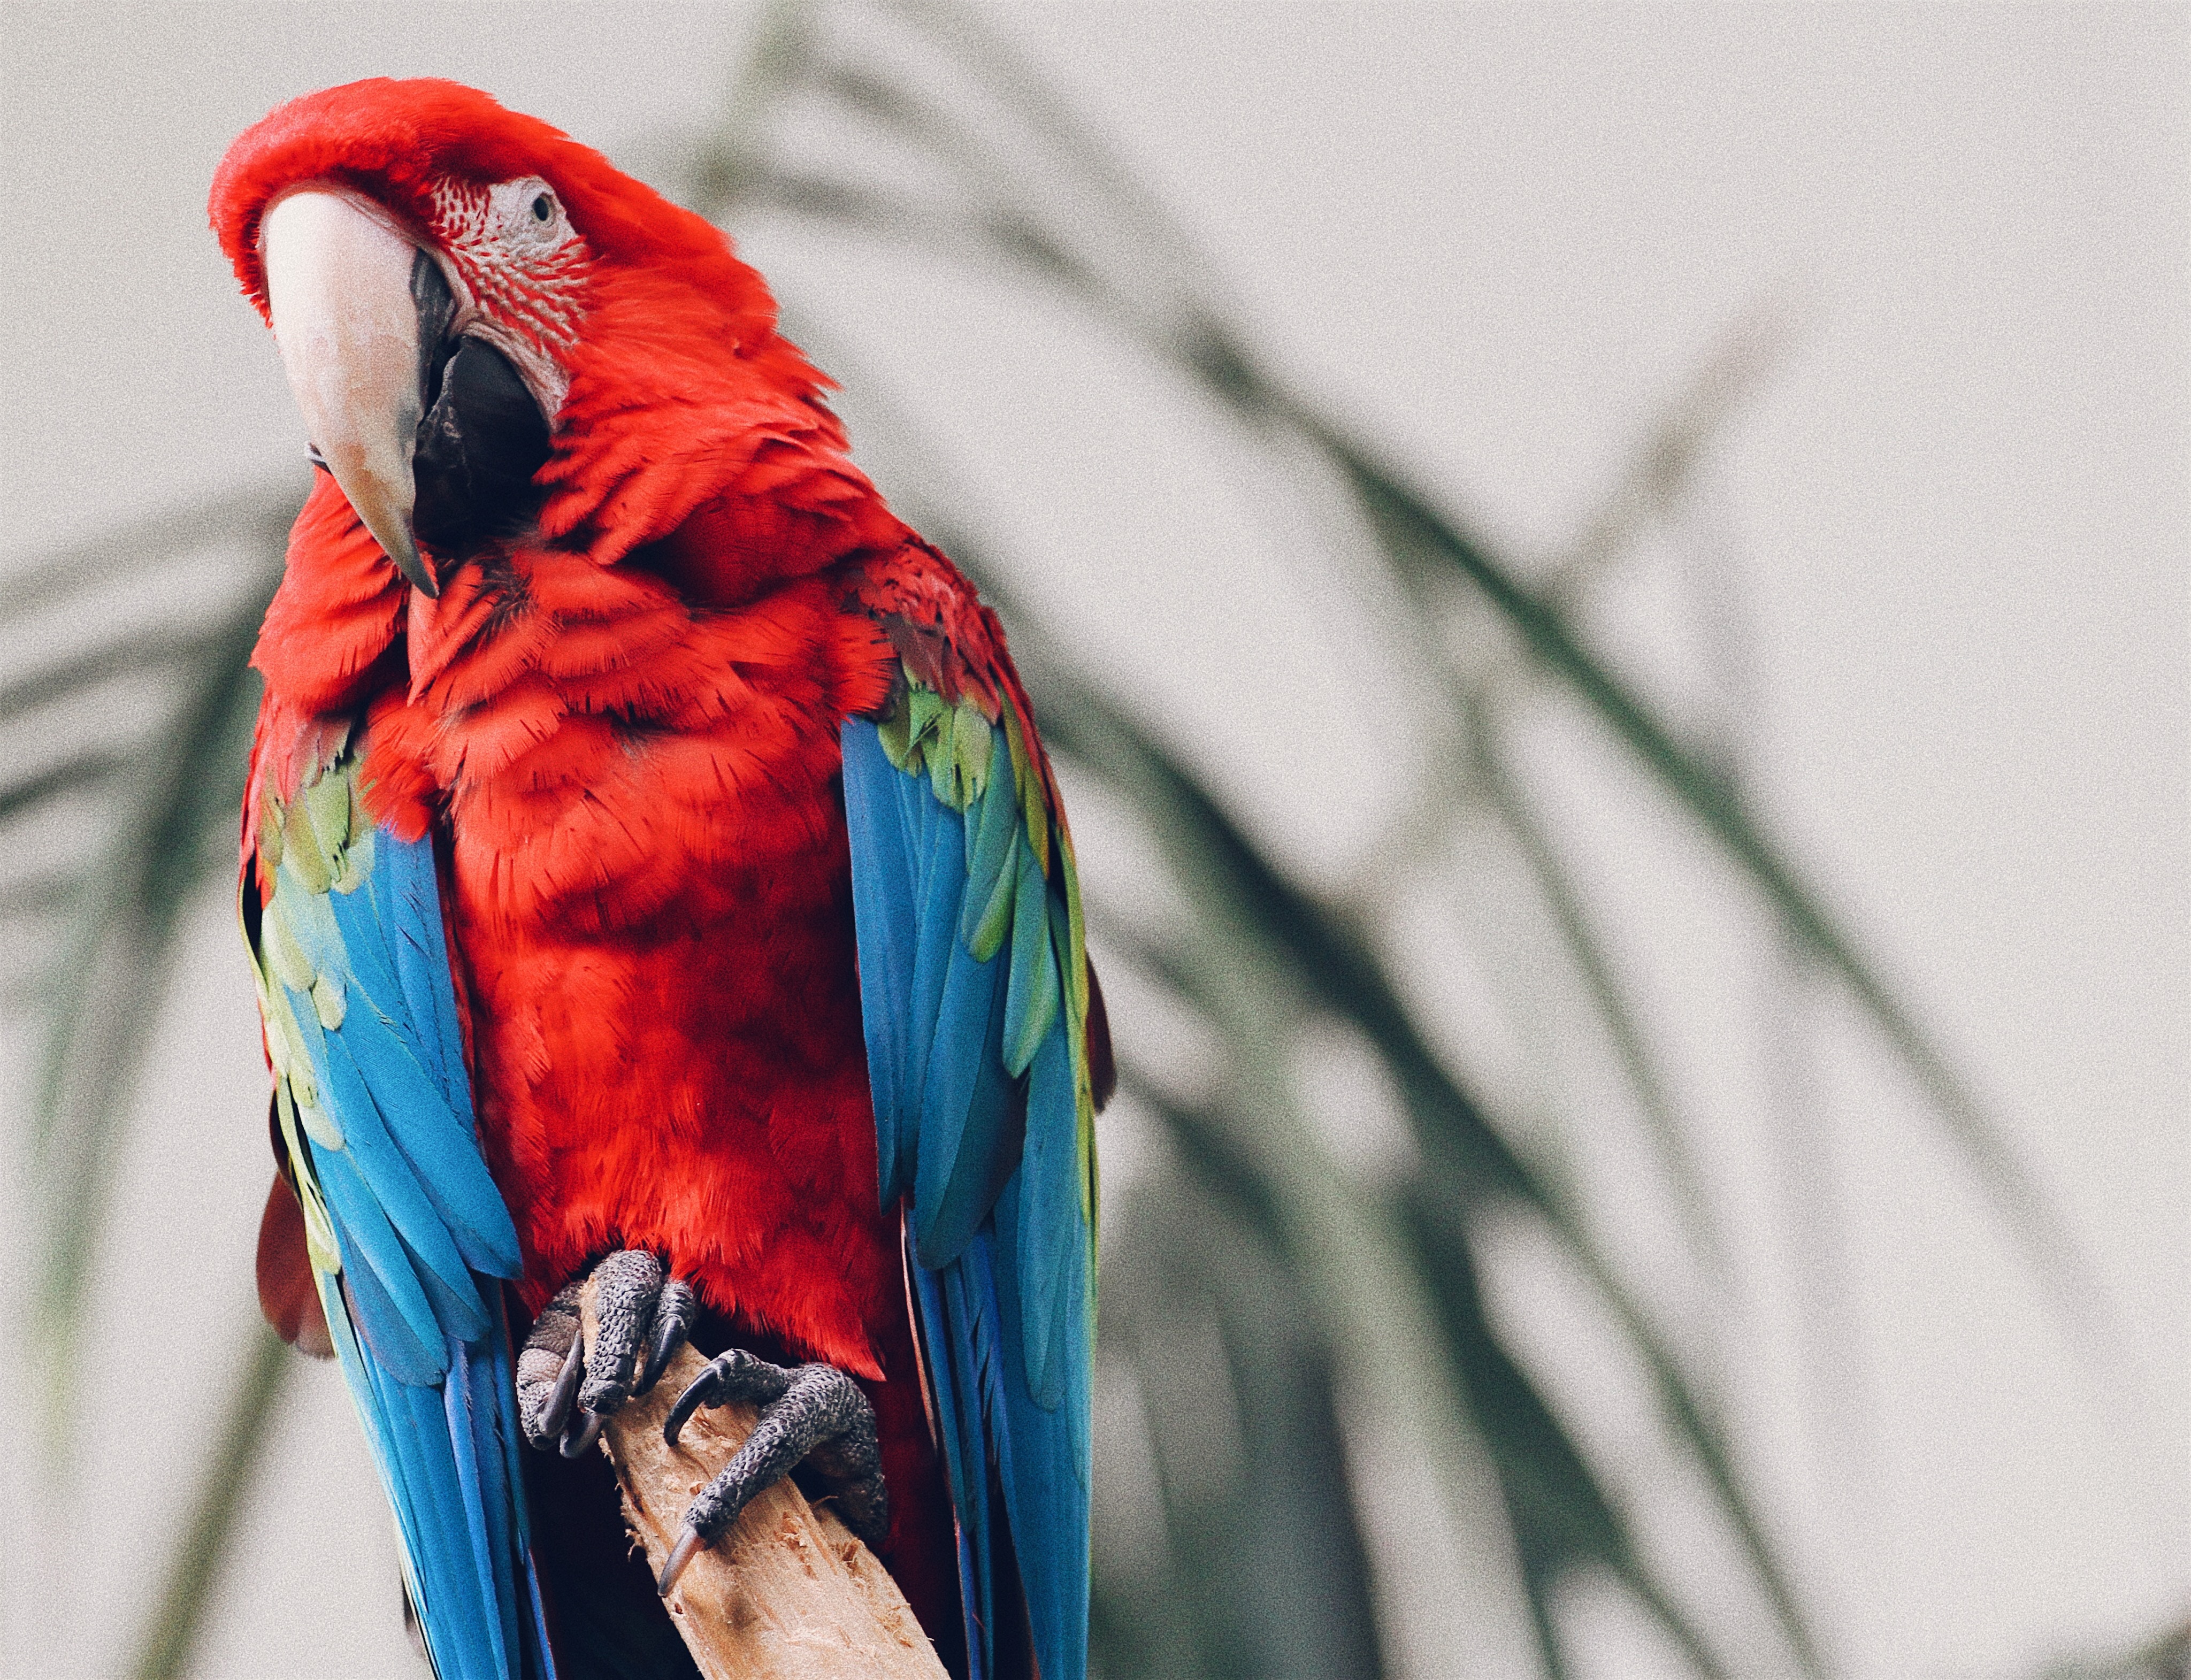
[2166,1657]
[1302,1356]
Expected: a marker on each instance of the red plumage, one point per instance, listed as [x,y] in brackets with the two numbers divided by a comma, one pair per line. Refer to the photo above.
[622,730]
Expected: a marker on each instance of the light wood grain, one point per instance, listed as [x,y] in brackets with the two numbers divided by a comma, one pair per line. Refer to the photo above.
[789,1594]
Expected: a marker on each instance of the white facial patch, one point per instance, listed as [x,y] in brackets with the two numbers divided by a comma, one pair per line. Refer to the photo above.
[518,269]
[530,215]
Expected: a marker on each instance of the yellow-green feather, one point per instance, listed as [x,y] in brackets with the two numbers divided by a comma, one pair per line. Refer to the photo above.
[320,841]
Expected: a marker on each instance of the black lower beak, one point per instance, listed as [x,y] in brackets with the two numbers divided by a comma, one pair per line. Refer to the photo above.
[481,438]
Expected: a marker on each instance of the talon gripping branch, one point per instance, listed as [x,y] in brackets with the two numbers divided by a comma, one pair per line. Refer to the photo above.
[652,871]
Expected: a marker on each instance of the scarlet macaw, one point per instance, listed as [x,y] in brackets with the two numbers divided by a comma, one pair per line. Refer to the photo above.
[652,871]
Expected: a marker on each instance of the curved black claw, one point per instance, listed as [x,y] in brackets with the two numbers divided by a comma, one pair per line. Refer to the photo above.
[567,1388]
[735,1376]
[814,1413]
[548,1369]
[674,1310]
[680,1554]
[584,1430]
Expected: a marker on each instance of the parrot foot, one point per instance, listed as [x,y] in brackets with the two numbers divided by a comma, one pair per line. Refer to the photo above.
[811,1413]
[565,1389]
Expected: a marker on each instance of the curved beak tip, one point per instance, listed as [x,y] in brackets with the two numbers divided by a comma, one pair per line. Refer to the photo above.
[413,565]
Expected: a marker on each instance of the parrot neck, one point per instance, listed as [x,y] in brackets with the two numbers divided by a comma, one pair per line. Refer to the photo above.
[699,485]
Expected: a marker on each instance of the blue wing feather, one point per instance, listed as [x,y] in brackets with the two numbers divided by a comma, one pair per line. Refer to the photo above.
[1042,1455]
[384,1141]
[950,1209]
[469,1409]
[1050,1238]
[963,1110]
[939,853]
[939,1298]
[397,1320]
[962,1049]
[413,898]
[385,1174]
[406,1057]
[456,1202]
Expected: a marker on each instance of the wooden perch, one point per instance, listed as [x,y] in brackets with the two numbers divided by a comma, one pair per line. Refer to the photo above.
[789,1594]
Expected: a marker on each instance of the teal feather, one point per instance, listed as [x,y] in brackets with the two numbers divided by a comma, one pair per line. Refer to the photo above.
[396,1192]
[394,1317]
[994,918]
[1051,1236]
[971,1059]
[354,973]
[1034,994]
[990,875]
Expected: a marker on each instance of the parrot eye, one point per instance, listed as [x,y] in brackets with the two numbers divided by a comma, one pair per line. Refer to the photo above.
[530,213]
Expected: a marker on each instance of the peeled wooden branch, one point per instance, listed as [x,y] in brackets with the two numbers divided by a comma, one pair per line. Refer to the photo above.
[789,1594]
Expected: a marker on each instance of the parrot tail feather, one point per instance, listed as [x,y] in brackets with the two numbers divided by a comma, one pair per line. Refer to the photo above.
[447,1455]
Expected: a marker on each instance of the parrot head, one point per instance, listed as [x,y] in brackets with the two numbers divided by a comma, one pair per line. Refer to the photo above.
[452,285]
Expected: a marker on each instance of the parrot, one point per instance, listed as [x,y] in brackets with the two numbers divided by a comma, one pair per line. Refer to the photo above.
[651,873]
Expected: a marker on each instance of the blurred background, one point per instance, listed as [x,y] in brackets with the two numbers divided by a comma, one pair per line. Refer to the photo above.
[1610,583]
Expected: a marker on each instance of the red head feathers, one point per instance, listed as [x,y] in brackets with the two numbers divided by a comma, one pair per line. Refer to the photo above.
[408,144]
[649,347]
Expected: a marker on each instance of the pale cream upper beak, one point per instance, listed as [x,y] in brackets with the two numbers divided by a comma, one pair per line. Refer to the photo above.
[339,287]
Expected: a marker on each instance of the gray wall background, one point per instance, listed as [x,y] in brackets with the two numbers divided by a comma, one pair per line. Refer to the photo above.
[1501,235]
